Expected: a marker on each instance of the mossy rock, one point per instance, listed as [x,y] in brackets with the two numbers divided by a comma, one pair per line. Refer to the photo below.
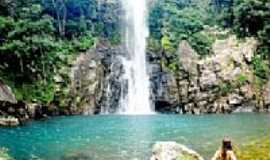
[186,157]
[173,151]
[4,154]
[257,150]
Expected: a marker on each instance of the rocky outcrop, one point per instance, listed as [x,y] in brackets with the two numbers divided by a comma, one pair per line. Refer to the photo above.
[114,84]
[96,80]
[189,58]
[11,112]
[86,83]
[6,94]
[173,151]
[219,83]
[91,83]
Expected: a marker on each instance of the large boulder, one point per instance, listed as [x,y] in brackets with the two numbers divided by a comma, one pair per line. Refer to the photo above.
[173,151]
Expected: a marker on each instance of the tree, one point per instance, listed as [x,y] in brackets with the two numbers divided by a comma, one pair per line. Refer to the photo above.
[251,16]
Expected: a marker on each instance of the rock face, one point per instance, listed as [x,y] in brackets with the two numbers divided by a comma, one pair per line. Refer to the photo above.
[86,83]
[219,83]
[6,94]
[92,84]
[114,85]
[189,58]
[11,111]
[96,80]
[173,151]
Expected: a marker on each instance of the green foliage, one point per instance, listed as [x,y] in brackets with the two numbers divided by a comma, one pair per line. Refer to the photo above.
[40,91]
[252,18]
[73,18]
[225,88]
[167,44]
[82,43]
[241,80]
[201,43]
[259,67]
[174,66]
[173,21]
[33,53]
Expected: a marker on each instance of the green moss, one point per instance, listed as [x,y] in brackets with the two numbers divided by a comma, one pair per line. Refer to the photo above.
[257,150]
[225,88]
[186,157]
[241,80]
[260,67]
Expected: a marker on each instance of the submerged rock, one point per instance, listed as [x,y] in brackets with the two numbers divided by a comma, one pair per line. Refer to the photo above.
[173,151]
[78,156]
[4,154]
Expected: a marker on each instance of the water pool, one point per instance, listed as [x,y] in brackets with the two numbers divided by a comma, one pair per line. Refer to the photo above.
[115,137]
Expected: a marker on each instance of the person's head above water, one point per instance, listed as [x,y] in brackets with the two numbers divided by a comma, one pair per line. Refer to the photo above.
[226,144]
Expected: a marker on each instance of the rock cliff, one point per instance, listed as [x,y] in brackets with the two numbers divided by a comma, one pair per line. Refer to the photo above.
[220,83]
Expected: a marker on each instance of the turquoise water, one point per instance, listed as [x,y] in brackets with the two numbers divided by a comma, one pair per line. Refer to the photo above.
[127,137]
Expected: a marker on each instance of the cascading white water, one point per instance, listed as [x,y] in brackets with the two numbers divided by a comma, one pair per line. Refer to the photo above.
[137,100]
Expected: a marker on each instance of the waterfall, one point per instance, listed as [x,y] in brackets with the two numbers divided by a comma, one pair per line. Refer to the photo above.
[137,99]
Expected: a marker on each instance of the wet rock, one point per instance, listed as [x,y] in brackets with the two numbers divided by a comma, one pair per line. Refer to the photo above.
[9,121]
[173,151]
[114,84]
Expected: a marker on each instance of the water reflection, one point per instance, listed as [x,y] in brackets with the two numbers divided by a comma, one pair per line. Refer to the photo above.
[128,137]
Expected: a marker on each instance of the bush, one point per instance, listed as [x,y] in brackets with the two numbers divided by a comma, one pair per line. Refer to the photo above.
[201,43]
[259,67]
[241,80]
[225,88]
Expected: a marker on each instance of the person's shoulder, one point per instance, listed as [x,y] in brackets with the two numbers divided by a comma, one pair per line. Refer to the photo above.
[231,155]
[230,152]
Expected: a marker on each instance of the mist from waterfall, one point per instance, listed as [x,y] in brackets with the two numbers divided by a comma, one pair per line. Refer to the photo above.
[137,99]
